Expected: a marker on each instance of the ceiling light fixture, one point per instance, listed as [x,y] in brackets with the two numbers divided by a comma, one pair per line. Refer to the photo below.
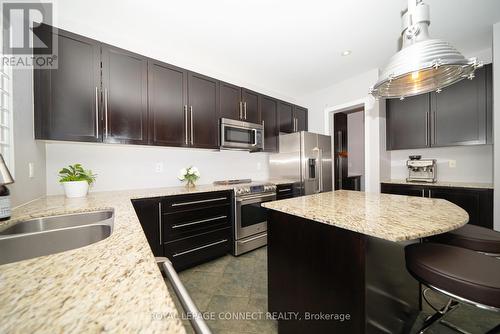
[346,53]
[423,64]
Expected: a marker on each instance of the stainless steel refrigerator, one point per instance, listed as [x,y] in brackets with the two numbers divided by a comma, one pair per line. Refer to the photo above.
[306,159]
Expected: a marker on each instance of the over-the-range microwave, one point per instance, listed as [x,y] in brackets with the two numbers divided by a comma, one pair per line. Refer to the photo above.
[241,135]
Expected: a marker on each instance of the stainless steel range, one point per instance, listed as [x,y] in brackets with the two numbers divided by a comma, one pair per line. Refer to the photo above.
[250,218]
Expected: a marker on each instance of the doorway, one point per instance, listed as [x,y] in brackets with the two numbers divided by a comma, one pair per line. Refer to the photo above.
[349,150]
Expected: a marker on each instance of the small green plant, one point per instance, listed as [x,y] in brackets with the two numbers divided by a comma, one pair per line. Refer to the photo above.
[76,173]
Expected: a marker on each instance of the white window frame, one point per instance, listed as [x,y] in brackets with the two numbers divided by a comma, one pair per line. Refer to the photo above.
[6,117]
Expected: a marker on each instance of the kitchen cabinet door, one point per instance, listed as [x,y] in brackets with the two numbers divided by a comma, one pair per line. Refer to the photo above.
[230,101]
[269,114]
[286,117]
[251,106]
[67,99]
[300,118]
[460,112]
[408,122]
[203,101]
[167,104]
[148,212]
[124,79]
[477,202]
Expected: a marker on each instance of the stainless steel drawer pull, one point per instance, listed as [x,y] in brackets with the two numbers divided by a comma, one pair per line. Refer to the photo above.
[160,223]
[201,247]
[199,222]
[254,238]
[200,201]
[283,190]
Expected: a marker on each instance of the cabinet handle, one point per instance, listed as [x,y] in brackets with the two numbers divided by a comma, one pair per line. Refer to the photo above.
[423,193]
[283,190]
[263,136]
[191,118]
[160,223]
[241,110]
[200,201]
[106,110]
[199,222]
[186,140]
[245,109]
[201,247]
[434,132]
[97,112]
[430,193]
[427,128]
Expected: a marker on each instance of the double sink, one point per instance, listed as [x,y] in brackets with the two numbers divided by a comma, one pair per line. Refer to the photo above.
[49,235]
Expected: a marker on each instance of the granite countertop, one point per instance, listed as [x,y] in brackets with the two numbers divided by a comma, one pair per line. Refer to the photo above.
[389,217]
[475,185]
[110,286]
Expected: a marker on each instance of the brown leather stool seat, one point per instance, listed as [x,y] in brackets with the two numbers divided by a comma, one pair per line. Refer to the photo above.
[472,237]
[461,272]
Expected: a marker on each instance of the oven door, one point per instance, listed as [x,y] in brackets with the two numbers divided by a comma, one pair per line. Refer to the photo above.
[251,217]
[240,136]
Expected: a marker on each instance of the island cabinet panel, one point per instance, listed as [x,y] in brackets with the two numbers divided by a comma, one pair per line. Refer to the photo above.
[124,80]
[269,114]
[203,101]
[167,105]
[67,100]
[477,202]
[149,212]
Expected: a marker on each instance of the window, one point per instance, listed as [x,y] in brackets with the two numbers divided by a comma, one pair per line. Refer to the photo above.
[6,123]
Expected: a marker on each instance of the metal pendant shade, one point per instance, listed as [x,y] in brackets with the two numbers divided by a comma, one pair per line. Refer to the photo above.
[423,64]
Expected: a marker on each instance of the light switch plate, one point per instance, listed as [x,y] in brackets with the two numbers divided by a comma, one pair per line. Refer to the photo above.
[31,170]
[159,167]
[452,163]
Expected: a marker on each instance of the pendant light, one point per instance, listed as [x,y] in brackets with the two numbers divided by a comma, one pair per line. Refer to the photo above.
[423,64]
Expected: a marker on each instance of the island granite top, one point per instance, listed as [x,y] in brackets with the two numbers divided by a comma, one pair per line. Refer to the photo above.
[389,217]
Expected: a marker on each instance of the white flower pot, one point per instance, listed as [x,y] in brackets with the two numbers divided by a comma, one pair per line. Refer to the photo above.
[76,188]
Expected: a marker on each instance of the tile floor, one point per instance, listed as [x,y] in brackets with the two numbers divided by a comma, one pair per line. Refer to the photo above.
[239,284]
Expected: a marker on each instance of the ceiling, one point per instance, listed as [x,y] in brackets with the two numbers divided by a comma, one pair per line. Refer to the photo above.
[287,46]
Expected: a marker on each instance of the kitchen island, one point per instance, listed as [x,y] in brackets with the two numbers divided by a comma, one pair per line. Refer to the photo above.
[336,259]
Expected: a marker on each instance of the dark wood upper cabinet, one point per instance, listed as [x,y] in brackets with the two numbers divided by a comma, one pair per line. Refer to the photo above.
[460,112]
[408,122]
[203,102]
[230,101]
[167,104]
[67,99]
[124,81]
[251,112]
[300,118]
[269,115]
[286,119]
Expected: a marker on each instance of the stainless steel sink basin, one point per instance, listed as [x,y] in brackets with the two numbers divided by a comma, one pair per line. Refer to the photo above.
[57,222]
[52,235]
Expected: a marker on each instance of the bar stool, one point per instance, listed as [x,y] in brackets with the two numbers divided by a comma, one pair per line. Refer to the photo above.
[463,275]
[477,238]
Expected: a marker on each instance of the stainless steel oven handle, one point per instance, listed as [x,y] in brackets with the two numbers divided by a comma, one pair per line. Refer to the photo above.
[200,201]
[201,247]
[196,319]
[254,238]
[251,198]
[199,222]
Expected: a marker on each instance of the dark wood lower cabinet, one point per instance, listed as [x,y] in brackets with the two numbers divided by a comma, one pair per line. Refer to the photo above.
[477,202]
[284,191]
[188,229]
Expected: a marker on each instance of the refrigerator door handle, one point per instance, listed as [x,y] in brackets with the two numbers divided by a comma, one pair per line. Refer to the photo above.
[320,155]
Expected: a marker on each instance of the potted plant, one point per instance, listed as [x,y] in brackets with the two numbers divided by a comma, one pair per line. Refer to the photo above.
[76,180]
[190,175]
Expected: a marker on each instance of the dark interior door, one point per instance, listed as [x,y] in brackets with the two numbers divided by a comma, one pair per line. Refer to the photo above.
[67,99]
[301,118]
[203,101]
[124,77]
[269,114]
[167,103]
[251,106]
[459,113]
[408,122]
[340,148]
[285,111]
[230,101]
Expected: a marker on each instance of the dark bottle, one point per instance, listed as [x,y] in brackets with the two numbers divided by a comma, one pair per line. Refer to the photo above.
[4,203]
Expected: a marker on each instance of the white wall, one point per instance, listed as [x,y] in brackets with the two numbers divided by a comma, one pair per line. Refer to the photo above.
[26,149]
[131,167]
[496,122]
[473,163]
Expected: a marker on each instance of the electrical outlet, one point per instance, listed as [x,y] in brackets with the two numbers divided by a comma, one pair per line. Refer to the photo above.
[31,170]
[452,163]
[159,167]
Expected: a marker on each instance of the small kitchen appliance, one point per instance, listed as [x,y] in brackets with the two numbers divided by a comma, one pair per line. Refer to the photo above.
[238,135]
[421,170]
